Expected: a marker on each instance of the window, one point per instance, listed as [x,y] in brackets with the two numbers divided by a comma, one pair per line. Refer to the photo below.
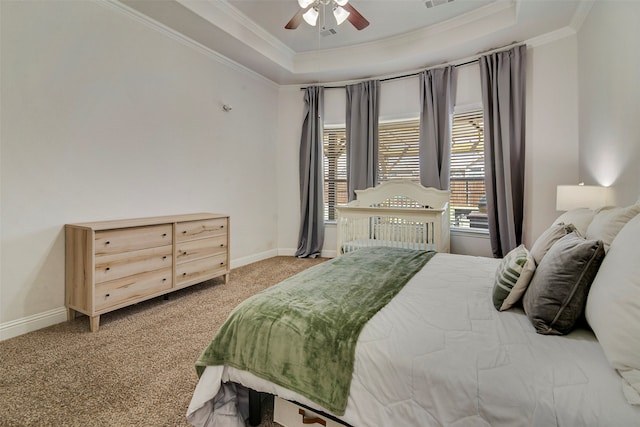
[398,144]
[398,158]
[335,170]
[468,201]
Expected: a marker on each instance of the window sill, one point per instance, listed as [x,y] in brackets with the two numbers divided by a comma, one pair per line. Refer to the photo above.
[470,232]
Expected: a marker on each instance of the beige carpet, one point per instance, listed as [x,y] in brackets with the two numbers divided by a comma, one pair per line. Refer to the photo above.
[138,369]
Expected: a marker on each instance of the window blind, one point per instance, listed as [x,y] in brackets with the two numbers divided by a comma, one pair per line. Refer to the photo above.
[467,171]
[398,158]
[398,144]
[335,170]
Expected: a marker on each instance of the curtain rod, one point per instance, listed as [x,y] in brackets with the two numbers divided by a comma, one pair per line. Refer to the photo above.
[462,64]
[403,76]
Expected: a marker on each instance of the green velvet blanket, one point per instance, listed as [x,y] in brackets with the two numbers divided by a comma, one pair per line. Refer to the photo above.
[301,334]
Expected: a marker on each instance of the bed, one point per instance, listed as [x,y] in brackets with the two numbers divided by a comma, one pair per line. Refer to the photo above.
[451,347]
[396,213]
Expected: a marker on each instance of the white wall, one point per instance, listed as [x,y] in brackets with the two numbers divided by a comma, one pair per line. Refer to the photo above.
[551,132]
[290,108]
[105,117]
[609,70]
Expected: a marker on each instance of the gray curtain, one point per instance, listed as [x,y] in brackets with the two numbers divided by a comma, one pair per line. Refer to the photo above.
[502,77]
[437,97]
[311,236]
[363,108]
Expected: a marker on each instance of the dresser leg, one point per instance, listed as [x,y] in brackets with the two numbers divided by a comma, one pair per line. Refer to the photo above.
[94,322]
[226,279]
[71,314]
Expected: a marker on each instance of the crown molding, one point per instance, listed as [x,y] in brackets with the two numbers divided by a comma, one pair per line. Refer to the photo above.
[435,44]
[230,20]
[550,37]
[581,14]
[141,18]
[435,38]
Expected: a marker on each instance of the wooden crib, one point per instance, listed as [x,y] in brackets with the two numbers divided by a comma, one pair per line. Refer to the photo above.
[397,213]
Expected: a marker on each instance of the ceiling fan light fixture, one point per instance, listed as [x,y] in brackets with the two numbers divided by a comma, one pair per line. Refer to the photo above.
[311,16]
[341,2]
[304,3]
[341,14]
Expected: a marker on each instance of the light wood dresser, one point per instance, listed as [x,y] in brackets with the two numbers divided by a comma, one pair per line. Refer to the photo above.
[113,264]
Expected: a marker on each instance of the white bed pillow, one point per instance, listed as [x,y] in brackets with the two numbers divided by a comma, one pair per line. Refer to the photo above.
[607,223]
[580,218]
[613,307]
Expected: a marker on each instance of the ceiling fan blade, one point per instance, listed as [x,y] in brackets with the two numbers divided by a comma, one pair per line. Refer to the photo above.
[355,18]
[295,21]
[297,18]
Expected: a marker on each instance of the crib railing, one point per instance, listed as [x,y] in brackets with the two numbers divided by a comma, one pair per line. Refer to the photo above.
[399,213]
[411,228]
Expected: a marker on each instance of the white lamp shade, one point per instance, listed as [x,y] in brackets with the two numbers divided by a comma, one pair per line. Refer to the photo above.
[341,2]
[341,14]
[311,16]
[582,196]
[304,3]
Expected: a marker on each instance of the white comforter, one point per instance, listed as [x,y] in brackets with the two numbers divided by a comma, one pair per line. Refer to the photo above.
[440,354]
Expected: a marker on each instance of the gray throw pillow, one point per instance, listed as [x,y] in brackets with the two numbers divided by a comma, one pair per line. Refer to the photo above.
[557,294]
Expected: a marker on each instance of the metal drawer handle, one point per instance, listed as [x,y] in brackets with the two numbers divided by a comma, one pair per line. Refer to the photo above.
[164,234]
[107,242]
[313,420]
[108,268]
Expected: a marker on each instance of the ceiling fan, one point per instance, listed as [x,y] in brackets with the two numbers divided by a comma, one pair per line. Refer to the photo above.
[342,10]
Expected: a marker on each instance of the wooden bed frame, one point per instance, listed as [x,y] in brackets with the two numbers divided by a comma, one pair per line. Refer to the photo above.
[398,213]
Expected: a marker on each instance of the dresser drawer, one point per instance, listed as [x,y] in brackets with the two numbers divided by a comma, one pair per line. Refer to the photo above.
[291,415]
[131,239]
[200,229]
[201,248]
[131,289]
[122,264]
[200,270]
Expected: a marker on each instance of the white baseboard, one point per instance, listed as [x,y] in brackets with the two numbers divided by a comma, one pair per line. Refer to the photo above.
[239,262]
[32,323]
[292,252]
[329,254]
[286,252]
